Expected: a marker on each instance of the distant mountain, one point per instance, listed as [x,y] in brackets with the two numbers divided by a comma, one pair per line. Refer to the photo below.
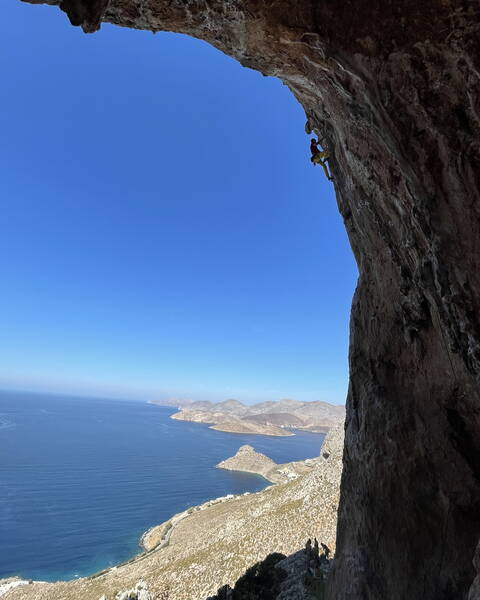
[233,407]
[201,405]
[285,405]
[264,418]
[280,419]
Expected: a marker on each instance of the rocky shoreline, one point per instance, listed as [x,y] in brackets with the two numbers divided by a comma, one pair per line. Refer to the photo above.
[158,536]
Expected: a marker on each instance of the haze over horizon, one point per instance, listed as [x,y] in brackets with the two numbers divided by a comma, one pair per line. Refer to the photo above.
[164,233]
[161,401]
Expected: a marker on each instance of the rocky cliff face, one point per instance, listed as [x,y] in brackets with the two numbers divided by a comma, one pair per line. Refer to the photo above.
[392,88]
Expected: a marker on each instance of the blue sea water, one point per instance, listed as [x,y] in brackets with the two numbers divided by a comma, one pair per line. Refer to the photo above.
[81,479]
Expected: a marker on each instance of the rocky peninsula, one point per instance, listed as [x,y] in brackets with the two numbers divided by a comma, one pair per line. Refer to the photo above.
[248,460]
[265,418]
[243,426]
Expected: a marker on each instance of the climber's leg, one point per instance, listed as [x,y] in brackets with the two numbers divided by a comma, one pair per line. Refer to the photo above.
[325,170]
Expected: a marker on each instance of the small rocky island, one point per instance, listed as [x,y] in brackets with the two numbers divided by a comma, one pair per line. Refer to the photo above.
[276,418]
[248,460]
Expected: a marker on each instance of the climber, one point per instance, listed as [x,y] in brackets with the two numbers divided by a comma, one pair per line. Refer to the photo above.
[319,157]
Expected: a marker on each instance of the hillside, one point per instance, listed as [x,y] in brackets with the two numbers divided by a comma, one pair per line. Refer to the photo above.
[265,418]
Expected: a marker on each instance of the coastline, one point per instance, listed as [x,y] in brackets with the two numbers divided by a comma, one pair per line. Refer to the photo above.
[153,539]
[248,460]
[279,419]
[235,427]
[158,536]
[214,543]
[220,427]
[147,541]
[163,531]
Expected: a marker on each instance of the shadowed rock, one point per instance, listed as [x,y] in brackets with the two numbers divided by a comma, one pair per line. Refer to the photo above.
[87,14]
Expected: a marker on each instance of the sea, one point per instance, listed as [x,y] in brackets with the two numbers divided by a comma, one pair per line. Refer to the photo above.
[81,479]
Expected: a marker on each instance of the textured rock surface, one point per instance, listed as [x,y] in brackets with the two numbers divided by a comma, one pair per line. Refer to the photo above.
[393,90]
[138,592]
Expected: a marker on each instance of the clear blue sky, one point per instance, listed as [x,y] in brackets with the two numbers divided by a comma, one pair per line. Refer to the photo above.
[163,233]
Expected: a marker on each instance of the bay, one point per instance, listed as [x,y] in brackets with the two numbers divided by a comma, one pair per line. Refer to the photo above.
[82,478]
